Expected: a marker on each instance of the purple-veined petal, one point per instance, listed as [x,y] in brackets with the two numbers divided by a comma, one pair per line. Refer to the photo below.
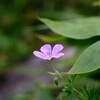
[56,49]
[58,55]
[41,55]
[46,49]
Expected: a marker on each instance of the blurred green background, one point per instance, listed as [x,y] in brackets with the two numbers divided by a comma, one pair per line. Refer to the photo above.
[21,33]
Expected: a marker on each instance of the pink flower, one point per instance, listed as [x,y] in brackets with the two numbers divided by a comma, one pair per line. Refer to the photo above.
[47,53]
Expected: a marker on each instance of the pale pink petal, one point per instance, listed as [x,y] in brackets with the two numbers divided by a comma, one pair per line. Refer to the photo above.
[58,55]
[46,49]
[41,55]
[56,49]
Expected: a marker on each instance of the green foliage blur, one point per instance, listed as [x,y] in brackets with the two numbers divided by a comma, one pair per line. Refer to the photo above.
[16,32]
[21,32]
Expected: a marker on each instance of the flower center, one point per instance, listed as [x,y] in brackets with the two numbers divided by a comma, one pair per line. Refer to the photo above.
[49,54]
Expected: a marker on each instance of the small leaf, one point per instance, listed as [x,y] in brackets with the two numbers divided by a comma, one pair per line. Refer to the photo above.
[88,61]
[51,73]
[63,73]
[76,29]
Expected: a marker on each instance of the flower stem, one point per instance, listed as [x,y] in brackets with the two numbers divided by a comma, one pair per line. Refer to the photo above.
[57,72]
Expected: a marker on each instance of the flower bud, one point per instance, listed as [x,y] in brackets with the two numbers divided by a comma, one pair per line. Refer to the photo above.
[56,81]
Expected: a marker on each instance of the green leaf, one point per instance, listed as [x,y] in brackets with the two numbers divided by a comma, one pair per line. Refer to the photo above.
[76,29]
[88,61]
[63,73]
[51,73]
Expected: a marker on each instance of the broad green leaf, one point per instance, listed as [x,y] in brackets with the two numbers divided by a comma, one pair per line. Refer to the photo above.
[76,29]
[88,61]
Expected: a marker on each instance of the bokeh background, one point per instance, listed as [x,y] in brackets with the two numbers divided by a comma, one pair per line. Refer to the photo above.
[22,75]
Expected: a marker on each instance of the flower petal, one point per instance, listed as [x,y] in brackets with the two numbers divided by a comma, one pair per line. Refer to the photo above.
[46,49]
[56,49]
[41,55]
[58,55]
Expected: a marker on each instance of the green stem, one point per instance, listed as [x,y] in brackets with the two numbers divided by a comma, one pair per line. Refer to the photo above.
[57,72]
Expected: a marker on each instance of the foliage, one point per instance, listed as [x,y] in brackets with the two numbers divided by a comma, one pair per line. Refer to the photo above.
[88,60]
[68,89]
[77,29]
[21,33]
[80,29]
[89,93]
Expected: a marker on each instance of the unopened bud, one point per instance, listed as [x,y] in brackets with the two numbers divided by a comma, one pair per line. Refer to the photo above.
[56,81]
